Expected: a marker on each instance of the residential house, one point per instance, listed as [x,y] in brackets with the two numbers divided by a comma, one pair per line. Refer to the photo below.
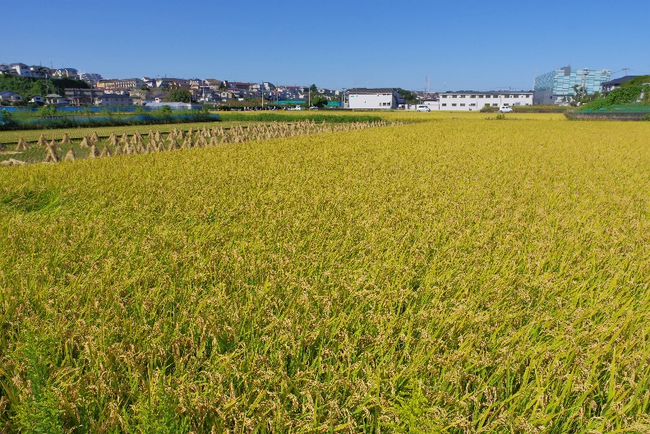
[91,78]
[150,82]
[328,93]
[240,86]
[292,92]
[120,83]
[213,83]
[205,94]
[79,97]
[56,99]
[158,97]
[111,100]
[38,71]
[195,83]
[231,94]
[172,83]
[67,72]
[9,97]
[21,69]
[609,86]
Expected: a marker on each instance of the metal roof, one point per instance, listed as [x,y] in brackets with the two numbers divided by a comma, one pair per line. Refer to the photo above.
[489,92]
[619,80]
[366,91]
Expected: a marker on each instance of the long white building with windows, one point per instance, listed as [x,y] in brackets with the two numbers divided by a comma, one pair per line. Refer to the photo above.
[474,101]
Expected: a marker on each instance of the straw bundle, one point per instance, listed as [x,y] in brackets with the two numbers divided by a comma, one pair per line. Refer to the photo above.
[51,156]
[22,145]
[69,156]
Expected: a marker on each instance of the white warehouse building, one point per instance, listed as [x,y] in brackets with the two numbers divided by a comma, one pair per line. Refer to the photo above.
[469,101]
[383,98]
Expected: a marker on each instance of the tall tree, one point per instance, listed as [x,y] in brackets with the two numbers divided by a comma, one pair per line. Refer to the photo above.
[409,97]
[318,101]
[179,95]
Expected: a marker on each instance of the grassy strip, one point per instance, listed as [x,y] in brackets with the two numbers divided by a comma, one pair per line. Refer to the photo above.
[31,121]
[12,137]
[298,116]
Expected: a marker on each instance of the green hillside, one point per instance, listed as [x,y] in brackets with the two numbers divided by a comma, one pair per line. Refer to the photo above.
[632,94]
[30,87]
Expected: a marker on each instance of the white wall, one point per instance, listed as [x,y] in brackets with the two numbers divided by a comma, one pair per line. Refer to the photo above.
[375,101]
[22,70]
[476,101]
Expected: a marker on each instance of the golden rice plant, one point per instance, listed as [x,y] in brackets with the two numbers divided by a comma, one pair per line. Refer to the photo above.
[458,275]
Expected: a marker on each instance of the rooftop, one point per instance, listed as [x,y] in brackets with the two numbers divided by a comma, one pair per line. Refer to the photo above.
[619,80]
[366,91]
[489,92]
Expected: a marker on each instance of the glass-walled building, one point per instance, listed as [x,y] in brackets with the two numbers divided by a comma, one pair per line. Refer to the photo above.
[556,86]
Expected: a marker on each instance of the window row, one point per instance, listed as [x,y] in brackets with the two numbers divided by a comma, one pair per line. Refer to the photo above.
[444,104]
[485,96]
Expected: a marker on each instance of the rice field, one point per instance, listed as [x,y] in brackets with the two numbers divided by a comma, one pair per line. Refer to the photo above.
[460,274]
[51,150]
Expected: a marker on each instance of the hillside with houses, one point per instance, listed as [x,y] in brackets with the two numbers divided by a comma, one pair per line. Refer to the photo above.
[21,84]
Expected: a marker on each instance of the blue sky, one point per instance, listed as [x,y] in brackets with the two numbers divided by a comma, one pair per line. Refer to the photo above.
[457,44]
